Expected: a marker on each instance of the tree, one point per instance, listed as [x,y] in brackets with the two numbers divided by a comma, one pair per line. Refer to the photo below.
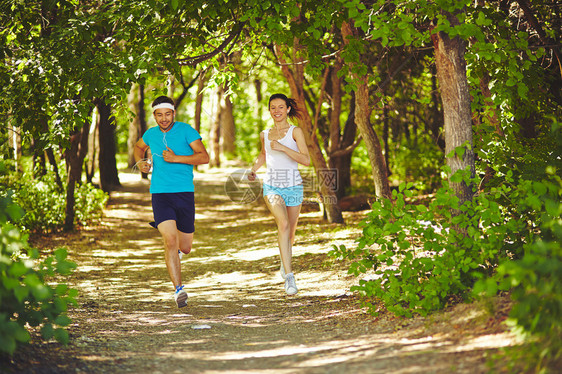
[295,77]
[74,157]
[363,120]
[109,176]
[138,125]
[455,96]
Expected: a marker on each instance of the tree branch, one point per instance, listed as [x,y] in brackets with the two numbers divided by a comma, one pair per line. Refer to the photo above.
[194,60]
[534,22]
[347,150]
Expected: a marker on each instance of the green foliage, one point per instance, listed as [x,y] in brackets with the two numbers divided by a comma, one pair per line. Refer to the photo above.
[418,257]
[417,162]
[26,299]
[44,203]
[535,277]
[90,202]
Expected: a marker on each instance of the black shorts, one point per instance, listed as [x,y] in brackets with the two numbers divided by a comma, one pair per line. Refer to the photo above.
[179,206]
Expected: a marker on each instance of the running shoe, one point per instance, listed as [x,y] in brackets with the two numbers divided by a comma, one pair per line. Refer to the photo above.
[290,284]
[181,297]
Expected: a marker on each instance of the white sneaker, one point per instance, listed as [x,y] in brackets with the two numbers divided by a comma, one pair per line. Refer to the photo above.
[282,271]
[181,298]
[290,284]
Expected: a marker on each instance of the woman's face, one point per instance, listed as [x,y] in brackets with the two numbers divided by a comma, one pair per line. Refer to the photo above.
[278,110]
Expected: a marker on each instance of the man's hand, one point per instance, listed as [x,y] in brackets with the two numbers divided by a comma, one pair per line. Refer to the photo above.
[169,155]
[145,166]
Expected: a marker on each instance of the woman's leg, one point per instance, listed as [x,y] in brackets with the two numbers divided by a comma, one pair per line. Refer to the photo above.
[280,212]
[293,214]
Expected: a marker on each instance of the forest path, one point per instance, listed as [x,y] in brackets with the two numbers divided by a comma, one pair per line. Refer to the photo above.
[238,318]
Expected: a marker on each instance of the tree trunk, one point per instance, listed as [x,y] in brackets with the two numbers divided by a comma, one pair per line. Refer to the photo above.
[39,162]
[228,133]
[142,119]
[385,133]
[372,142]
[362,118]
[134,126]
[15,143]
[455,96]
[341,159]
[91,162]
[52,160]
[74,156]
[109,176]
[137,126]
[199,100]
[325,176]
[436,115]
[259,107]
[214,138]
[341,145]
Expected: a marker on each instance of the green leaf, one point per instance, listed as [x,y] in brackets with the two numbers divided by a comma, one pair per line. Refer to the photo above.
[8,344]
[21,293]
[63,320]
[47,331]
[18,269]
[61,335]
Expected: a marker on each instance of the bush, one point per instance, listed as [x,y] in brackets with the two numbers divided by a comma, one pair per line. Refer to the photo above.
[26,300]
[419,257]
[44,203]
[536,278]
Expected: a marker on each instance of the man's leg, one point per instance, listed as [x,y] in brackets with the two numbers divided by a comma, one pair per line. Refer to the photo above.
[171,238]
[185,242]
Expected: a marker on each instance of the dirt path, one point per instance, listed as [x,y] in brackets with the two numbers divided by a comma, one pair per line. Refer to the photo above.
[238,318]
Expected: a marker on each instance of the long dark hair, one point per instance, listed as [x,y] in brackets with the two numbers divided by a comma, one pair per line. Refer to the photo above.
[295,112]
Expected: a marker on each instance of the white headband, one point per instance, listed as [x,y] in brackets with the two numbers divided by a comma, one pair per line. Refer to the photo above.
[163,106]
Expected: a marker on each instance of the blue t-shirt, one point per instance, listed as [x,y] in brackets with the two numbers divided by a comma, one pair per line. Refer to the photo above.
[170,177]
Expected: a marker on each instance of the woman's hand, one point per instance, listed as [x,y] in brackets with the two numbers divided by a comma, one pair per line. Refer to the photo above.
[252,176]
[276,146]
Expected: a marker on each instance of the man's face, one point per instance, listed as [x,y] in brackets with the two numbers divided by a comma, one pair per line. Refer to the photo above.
[164,117]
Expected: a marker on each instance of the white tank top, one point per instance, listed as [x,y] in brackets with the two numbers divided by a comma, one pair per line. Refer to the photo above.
[282,171]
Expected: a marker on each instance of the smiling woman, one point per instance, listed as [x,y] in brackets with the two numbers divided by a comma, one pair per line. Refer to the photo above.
[283,149]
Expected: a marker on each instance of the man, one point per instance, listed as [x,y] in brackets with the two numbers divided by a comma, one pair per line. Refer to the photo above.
[175,148]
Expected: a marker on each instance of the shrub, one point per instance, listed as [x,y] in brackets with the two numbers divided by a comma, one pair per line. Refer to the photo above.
[536,277]
[418,256]
[26,299]
[44,203]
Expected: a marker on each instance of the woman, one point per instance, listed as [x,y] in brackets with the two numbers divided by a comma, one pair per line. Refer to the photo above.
[282,148]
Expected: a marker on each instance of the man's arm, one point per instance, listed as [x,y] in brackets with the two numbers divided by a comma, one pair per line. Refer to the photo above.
[199,156]
[139,152]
